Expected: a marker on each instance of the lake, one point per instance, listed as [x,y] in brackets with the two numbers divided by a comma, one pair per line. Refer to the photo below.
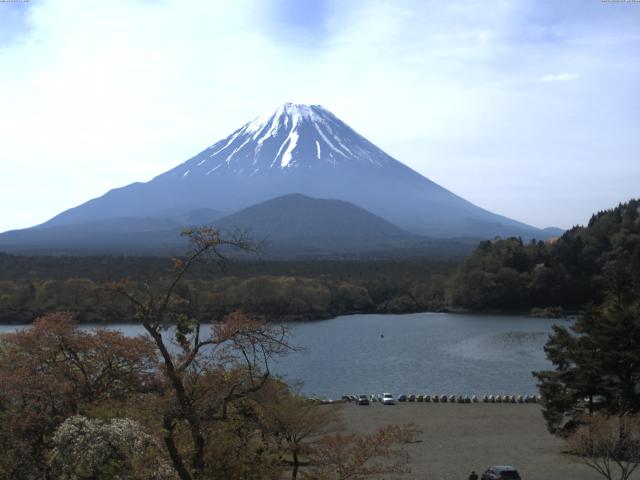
[432,353]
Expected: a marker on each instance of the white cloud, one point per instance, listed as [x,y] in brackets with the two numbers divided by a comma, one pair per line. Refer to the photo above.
[559,77]
[101,94]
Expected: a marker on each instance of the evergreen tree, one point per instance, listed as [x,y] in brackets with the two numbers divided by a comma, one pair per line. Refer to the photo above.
[597,366]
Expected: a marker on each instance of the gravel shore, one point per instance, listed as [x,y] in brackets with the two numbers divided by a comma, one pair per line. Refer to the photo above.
[458,438]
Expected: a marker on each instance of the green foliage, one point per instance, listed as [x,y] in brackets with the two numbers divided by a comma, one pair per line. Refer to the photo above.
[597,366]
[580,267]
[279,296]
[291,291]
[496,275]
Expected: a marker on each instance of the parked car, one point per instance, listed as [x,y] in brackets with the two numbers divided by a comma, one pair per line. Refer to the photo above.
[501,472]
[387,399]
[402,398]
[363,400]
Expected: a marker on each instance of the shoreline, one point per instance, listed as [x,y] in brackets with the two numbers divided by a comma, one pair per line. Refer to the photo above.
[320,318]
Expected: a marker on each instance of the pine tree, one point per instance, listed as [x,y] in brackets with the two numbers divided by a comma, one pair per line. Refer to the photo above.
[597,366]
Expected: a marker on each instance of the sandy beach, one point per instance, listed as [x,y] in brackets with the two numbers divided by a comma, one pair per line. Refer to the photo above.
[458,438]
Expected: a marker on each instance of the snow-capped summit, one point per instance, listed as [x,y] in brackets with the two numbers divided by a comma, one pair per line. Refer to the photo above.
[301,149]
[294,136]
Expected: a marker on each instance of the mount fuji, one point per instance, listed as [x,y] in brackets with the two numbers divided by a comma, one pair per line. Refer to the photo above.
[298,149]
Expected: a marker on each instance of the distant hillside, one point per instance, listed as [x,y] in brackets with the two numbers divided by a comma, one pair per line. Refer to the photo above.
[153,235]
[553,232]
[303,227]
[296,216]
[298,225]
[291,226]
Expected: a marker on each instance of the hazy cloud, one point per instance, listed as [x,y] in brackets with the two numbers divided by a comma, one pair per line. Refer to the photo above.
[559,77]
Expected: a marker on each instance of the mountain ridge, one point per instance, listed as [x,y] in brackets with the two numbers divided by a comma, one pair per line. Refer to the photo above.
[291,226]
[300,149]
[299,216]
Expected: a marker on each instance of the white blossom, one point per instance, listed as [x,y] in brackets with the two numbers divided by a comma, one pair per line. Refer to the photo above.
[96,449]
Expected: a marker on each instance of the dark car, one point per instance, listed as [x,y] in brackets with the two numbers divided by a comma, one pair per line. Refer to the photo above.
[363,400]
[501,472]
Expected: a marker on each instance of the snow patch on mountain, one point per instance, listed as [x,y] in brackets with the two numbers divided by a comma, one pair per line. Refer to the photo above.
[288,154]
[291,137]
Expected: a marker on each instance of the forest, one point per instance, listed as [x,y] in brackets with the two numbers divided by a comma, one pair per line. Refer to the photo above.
[501,275]
[284,290]
[577,269]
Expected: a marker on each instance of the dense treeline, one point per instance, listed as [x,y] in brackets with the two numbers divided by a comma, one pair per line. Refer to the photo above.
[592,394]
[577,269]
[113,268]
[501,275]
[32,286]
[276,297]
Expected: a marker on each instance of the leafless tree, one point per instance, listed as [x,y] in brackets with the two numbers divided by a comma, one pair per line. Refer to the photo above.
[610,445]
[359,456]
[204,370]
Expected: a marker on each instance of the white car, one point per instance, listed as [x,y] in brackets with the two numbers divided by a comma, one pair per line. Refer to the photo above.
[387,399]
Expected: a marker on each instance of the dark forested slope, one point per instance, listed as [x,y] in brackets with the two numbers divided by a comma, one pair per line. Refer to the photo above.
[579,268]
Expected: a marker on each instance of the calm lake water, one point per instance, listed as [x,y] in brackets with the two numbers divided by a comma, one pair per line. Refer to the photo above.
[417,353]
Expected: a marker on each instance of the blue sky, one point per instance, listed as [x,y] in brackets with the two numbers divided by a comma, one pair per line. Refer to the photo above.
[528,108]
